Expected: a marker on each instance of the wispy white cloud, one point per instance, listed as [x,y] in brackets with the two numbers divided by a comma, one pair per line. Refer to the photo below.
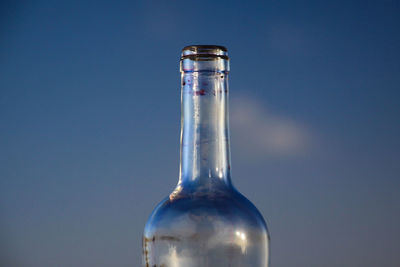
[175,259]
[216,234]
[256,131]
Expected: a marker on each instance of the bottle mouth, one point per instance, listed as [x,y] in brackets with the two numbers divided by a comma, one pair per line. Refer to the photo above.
[216,55]
[204,52]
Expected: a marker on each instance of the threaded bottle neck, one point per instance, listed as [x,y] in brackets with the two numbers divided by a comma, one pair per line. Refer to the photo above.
[207,58]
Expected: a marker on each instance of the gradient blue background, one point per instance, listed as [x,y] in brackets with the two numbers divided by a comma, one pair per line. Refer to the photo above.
[90,113]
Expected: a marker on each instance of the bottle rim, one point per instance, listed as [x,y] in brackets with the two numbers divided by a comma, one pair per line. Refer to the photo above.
[204,52]
[204,58]
[205,47]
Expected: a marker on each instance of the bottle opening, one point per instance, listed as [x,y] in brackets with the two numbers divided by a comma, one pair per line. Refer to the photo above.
[216,50]
[204,58]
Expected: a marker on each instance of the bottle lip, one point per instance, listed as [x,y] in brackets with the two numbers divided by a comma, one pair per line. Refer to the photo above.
[204,52]
[206,47]
[204,58]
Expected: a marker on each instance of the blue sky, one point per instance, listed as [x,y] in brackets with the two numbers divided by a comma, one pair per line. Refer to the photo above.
[90,113]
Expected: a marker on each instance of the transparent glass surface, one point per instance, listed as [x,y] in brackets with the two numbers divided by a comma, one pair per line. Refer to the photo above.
[205,221]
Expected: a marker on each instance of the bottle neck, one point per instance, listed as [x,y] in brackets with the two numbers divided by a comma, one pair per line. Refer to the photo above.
[205,151]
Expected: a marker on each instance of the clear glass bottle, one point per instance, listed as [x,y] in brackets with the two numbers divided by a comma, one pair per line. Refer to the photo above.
[205,221]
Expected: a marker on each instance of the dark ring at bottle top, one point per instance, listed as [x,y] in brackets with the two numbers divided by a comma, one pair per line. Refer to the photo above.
[205,51]
[204,58]
[194,47]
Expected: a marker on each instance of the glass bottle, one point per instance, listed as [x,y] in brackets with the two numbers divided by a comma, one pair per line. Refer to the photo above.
[205,221]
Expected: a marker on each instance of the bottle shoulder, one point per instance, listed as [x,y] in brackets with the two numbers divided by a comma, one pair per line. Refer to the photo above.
[227,206]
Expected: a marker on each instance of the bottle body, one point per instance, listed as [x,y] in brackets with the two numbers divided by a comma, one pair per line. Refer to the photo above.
[205,221]
[206,230]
